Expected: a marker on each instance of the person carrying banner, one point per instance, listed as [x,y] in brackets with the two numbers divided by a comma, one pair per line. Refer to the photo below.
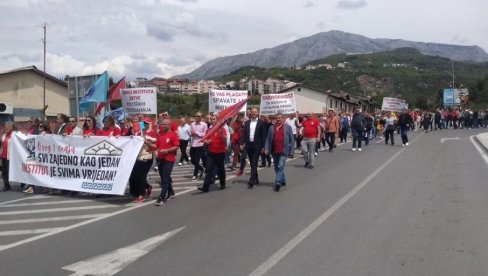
[138,185]
[5,154]
[167,146]
[61,122]
[90,127]
[109,129]
[216,148]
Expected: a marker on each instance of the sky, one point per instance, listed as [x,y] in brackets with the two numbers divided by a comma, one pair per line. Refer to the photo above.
[164,38]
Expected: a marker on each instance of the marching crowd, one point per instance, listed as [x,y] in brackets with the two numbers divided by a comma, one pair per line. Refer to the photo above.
[247,139]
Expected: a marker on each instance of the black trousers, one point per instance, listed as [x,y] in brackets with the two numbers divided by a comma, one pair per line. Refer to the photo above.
[165,169]
[183,146]
[215,161]
[5,168]
[253,155]
[196,154]
[138,177]
[330,139]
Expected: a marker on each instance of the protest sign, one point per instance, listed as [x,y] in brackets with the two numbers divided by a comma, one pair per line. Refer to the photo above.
[218,100]
[100,165]
[393,104]
[284,103]
[139,100]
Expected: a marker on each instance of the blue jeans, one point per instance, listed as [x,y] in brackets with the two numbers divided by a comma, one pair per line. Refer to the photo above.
[279,167]
[404,134]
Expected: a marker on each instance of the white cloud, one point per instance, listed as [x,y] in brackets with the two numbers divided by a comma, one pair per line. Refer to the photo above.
[351,4]
[170,37]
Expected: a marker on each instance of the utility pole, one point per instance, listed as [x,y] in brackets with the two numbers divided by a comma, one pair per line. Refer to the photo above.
[44,107]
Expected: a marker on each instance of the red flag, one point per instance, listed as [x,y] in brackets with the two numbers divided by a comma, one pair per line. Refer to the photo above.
[114,90]
[223,115]
[99,108]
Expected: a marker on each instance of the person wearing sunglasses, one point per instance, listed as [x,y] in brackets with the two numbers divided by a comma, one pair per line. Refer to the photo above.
[72,127]
[33,124]
[90,127]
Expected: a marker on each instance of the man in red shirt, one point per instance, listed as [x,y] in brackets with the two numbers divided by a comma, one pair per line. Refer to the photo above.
[280,144]
[167,146]
[216,146]
[311,134]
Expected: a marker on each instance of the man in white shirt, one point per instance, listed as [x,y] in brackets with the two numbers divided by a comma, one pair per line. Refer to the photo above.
[184,134]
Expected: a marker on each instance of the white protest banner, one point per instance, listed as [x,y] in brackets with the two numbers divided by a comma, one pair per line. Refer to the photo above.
[97,164]
[284,103]
[139,100]
[218,100]
[393,104]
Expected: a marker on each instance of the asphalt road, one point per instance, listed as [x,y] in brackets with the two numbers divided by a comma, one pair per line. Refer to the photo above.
[388,210]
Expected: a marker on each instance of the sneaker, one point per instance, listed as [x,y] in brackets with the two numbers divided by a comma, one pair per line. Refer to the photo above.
[171,195]
[180,164]
[359,149]
[194,177]
[311,167]
[353,149]
[316,154]
[155,169]
[29,190]
[160,201]
[406,144]
[139,199]
[149,191]
[306,165]
[239,173]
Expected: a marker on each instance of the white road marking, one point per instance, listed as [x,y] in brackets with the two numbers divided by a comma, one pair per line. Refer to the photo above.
[57,210]
[47,203]
[287,248]
[22,199]
[34,220]
[113,262]
[28,232]
[446,139]
[479,149]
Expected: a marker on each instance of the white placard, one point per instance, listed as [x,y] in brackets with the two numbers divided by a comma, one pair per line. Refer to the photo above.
[96,164]
[393,104]
[139,100]
[284,103]
[218,100]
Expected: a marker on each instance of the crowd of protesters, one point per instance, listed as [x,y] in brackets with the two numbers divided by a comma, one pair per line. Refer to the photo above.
[245,140]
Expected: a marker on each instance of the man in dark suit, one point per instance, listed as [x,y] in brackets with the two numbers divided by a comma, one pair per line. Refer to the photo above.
[254,141]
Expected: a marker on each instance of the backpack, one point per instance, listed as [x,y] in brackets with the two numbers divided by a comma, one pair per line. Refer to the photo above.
[345,121]
[357,121]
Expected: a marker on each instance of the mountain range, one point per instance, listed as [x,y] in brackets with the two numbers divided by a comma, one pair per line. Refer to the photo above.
[324,44]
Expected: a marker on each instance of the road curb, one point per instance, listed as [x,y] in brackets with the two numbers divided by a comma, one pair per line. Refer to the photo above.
[482,138]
